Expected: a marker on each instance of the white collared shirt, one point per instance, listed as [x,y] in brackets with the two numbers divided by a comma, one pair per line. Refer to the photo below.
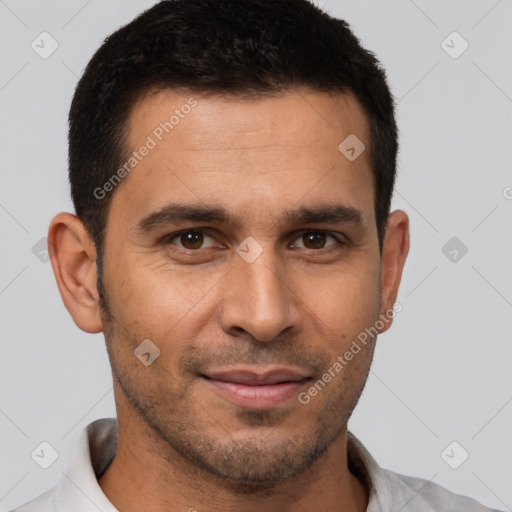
[78,489]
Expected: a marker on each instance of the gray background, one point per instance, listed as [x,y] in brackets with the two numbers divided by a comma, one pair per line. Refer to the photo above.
[441,374]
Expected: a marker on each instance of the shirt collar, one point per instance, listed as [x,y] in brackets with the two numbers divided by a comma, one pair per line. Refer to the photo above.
[387,490]
[79,483]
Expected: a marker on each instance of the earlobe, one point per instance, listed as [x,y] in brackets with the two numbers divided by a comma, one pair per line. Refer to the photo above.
[394,253]
[73,257]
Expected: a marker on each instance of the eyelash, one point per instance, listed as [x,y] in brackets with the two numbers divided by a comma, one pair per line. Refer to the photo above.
[339,245]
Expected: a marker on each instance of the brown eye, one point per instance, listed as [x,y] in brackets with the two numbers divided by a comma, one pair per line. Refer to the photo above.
[190,240]
[316,240]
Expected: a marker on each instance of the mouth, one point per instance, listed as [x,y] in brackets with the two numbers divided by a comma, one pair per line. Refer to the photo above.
[256,388]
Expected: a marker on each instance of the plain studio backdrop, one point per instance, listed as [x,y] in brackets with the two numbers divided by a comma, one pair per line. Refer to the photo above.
[438,402]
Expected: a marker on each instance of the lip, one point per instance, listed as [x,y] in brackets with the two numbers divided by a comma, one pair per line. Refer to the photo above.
[256,388]
[253,376]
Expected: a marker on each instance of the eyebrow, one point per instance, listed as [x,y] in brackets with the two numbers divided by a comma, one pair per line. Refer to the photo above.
[176,213]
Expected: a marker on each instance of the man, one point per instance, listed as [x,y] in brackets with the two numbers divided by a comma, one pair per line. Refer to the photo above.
[232,165]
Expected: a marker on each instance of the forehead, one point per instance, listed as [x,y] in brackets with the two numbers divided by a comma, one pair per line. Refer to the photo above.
[266,154]
[317,118]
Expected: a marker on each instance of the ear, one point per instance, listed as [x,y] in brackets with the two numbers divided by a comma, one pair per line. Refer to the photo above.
[73,256]
[394,253]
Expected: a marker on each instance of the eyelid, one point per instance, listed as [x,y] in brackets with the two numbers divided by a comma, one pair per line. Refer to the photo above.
[168,238]
[341,240]
[323,231]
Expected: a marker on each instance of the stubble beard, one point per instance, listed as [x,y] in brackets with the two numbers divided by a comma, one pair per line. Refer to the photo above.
[248,465]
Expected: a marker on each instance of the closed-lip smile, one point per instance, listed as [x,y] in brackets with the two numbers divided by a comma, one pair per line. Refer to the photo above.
[256,387]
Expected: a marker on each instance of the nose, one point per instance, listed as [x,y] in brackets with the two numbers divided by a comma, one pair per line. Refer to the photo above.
[259,299]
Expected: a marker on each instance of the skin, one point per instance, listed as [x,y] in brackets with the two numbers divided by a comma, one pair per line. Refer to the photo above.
[300,303]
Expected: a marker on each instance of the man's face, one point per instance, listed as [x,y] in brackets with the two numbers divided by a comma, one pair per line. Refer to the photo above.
[292,299]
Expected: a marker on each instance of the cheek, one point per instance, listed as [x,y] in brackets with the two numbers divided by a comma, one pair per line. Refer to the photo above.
[345,301]
[157,300]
